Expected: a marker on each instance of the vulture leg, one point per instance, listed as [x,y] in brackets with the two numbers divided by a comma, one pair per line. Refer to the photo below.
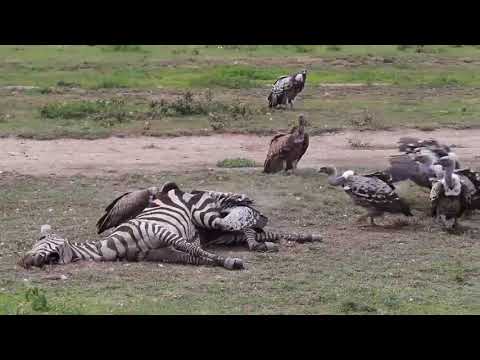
[289,168]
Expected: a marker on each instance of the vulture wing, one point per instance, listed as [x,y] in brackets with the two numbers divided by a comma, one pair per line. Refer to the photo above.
[306,142]
[385,177]
[402,167]
[123,208]
[436,193]
[473,176]
[279,148]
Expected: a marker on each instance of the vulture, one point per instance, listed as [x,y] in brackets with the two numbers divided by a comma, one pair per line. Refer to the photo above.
[128,206]
[431,147]
[418,161]
[420,169]
[286,150]
[374,192]
[449,196]
[286,88]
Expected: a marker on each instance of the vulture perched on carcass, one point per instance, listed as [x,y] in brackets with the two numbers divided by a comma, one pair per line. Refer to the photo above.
[374,192]
[449,196]
[286,88]
[129,205]
[286,150]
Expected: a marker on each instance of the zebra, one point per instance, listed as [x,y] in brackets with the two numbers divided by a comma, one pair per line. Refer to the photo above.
[165,233]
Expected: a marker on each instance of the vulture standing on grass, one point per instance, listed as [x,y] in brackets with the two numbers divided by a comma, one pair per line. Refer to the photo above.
[286,88]
[374,192]
[128,206]
[449,196]
[286,150]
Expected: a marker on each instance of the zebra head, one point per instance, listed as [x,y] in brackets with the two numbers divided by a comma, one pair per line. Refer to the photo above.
[49,249]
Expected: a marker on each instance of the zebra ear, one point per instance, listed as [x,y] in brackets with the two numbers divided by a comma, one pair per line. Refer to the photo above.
[169,185]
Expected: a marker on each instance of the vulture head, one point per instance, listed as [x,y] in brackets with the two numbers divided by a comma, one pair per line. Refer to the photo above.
[301,76]
[302,121]
[333,178]
[445,162]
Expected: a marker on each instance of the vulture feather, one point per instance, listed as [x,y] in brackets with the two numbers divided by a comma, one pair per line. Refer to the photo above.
[286,88]
[449,196]
[286,150]
[126,207]
[375,192]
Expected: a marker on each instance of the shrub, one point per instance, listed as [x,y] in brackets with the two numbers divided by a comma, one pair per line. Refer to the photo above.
[107,112]
[236,163]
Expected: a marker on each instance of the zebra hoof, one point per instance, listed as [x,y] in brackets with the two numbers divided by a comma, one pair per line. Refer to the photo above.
[233,264]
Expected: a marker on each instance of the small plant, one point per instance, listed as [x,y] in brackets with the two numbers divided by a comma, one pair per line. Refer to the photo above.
[236,163]
[357,143]
[106,112]
[351,306]
[365,120]
[35,300]
[62,83]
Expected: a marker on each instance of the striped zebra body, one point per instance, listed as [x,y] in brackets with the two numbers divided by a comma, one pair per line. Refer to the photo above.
[170,225]
[169,232]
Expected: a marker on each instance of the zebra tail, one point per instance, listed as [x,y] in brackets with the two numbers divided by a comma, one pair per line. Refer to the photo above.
[300,238]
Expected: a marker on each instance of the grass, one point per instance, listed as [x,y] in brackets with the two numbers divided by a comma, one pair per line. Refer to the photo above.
[236,163]
[233,67]
[436,87]
[415,269]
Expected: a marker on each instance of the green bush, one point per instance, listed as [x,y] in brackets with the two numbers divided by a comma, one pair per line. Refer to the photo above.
[107,112]
[236,163]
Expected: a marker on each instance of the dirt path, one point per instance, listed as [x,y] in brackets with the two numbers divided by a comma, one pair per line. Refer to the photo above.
[66,157]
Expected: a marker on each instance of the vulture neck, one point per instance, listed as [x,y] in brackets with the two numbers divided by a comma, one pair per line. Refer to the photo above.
[448,176]
[334,179]
[300,129]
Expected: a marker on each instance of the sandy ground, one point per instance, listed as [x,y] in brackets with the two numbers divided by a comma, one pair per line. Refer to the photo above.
[67,157]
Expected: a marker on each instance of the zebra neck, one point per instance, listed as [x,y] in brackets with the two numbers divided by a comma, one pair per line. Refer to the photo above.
[89,250]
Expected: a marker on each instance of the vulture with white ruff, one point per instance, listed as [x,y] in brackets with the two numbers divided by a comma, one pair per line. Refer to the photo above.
[286,88]
[286,150]
[374,192]
[449,196]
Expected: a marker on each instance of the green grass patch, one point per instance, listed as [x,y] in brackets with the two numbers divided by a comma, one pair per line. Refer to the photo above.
[236,163]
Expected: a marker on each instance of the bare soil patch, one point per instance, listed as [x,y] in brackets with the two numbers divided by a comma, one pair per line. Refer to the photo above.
[68,157]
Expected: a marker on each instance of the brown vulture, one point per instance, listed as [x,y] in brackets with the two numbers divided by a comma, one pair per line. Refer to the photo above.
[129,205]
[286,150]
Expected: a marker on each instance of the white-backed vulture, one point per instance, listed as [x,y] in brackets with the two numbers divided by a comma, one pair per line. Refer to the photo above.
[374,192]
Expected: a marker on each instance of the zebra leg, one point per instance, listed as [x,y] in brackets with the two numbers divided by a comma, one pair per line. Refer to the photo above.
[170,255]
[181,244]
[254,245]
